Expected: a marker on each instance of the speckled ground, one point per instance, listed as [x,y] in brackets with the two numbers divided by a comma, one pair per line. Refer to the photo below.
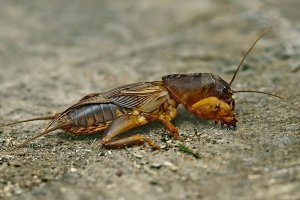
[52,53]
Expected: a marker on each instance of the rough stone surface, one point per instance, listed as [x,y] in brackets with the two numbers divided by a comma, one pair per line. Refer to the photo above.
[54,52]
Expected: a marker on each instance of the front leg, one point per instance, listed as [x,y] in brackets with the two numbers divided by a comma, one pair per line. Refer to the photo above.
[122,124]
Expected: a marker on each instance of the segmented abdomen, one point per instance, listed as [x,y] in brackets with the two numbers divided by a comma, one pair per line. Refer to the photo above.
[92,118]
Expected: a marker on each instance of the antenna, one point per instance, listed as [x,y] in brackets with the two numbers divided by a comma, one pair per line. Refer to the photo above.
[274,95]
[247,55]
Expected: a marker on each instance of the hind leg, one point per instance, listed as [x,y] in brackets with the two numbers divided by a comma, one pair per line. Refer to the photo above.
[122,124]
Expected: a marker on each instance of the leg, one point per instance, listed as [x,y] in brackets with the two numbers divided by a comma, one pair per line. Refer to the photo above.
[166,122]
[122,124]
[131,140]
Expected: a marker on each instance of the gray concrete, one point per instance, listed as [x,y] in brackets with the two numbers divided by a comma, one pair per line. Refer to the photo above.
[54,52]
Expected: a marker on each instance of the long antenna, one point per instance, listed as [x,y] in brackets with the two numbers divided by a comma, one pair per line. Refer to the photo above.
[247,55]
[261,93]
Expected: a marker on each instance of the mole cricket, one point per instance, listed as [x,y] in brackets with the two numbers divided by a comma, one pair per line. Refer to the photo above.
[205,95]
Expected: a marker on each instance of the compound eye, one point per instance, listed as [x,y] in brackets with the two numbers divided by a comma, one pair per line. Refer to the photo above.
[225,90]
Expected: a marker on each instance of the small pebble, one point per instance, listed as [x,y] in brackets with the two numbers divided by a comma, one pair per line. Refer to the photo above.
[169,141]
[136,165]
[111,186]
[200,133]
[156,165]
[168,163]
[174,168]
[138,155]
[73,169]
[119,173]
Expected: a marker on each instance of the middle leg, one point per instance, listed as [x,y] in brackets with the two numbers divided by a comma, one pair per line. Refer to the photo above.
[165,119]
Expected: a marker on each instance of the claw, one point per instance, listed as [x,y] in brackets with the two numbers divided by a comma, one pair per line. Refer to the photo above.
[216,122]
[234,127]
[228,127]
[222,125]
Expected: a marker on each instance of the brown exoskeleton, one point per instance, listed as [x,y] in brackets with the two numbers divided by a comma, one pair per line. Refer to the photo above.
[203,94]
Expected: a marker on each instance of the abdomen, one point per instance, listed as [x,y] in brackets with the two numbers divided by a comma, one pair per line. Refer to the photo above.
[92,118]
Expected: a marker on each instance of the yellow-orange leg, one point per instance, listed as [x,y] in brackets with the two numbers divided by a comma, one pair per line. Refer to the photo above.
[122,124]
[169,126]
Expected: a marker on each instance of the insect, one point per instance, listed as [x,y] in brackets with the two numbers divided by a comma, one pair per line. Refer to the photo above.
[205,95]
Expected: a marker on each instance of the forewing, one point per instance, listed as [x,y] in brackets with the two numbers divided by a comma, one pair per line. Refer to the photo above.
[89,96]
[135,95]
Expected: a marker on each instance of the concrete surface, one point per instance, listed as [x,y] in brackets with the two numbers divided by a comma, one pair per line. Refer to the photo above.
[52,53]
